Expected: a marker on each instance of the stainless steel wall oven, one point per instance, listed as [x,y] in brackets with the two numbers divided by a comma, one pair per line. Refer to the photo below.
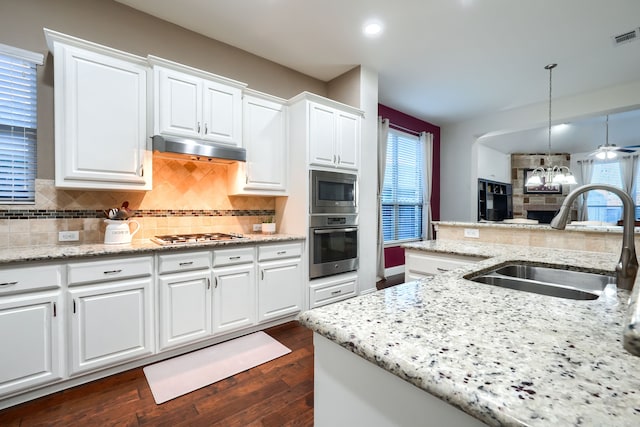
[333,244]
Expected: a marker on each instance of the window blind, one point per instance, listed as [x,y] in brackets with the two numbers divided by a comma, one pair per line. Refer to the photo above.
[402,195]
[18,126]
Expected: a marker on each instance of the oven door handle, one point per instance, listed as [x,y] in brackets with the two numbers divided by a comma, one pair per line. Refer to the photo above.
[335,230]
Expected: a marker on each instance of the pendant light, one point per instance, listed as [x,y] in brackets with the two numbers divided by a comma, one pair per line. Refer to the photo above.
[552,174]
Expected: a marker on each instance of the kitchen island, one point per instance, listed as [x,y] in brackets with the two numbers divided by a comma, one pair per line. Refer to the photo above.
[503,357]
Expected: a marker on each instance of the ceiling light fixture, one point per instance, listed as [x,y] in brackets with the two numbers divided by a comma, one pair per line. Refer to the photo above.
[609,151]
[372,29]
[550,174]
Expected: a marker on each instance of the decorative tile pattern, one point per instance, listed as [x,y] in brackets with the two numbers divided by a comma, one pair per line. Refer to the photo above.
[187,197]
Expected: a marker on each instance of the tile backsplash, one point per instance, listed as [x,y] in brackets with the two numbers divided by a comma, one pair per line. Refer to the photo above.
[187,197]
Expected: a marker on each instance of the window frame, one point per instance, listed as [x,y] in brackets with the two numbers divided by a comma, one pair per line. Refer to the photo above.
[15,132]
[420,202]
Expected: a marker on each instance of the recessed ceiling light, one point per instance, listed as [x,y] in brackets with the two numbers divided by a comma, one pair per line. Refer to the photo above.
[372,29]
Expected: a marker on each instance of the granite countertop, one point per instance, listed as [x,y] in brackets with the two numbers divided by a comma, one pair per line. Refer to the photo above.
[581,227]
[138,247]
[505,357]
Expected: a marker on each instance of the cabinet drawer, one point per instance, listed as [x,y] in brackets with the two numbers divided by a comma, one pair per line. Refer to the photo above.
[24,279]
[332,291]
[183,262]
[270,252]
[429,263]
[233,256]
[102,271]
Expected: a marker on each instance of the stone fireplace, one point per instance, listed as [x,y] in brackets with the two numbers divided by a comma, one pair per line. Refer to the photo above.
[540,206]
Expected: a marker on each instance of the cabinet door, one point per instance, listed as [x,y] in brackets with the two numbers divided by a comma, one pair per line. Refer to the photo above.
[222,117]
[234,297]
[101,121]
[265,139]
[185,308]
[322,135]
[348,140]
[29,333]
[279,289]
[110,323]
[178,103]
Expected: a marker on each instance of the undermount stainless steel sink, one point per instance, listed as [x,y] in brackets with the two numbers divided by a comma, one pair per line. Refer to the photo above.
[546,281]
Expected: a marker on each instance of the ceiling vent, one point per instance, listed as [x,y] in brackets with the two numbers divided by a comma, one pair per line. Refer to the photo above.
[626,37]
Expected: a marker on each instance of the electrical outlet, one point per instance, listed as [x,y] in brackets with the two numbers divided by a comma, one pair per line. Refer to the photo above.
[68,236]
[472,232]
[257,227]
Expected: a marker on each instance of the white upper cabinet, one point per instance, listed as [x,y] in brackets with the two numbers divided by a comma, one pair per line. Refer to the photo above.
[333,132]
[196,104]
[334,137]
[265,139]
[101,128]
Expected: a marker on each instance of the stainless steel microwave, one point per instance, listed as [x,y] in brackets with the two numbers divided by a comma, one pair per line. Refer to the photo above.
[333,192]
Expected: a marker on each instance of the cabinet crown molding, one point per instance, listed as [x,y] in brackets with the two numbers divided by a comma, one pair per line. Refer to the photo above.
[308,96]
[52,37]
[161,62]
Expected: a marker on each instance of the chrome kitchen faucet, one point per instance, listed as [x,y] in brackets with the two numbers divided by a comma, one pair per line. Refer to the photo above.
[627,267]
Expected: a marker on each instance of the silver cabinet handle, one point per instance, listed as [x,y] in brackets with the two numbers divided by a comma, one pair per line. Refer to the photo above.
[198,127]
[208,283]
[335,230]
[339,159]
[8,283]
[112,271]
[281,252]
[261,274]
[339,291]
[74,305]
[183,264]
[442,270]
[216,280]
[234,257]
[205,129]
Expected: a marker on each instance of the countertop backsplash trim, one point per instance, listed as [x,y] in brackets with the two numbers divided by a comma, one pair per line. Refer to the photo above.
[89,213]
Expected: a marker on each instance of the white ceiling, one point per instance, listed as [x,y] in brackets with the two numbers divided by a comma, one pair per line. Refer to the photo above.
[439,60]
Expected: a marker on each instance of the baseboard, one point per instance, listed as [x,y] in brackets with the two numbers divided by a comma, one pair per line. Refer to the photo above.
[392,271]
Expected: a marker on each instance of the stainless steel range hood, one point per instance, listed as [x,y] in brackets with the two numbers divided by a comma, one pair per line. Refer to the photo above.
[193,149]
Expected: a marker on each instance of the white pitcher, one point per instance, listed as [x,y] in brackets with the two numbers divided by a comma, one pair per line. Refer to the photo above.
[118,232]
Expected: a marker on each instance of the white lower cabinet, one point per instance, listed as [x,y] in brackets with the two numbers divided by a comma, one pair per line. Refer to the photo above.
[280,281]
[184,298]
[30,352]
[111,320]
[234,297]
[31,334]
[331,289]
[419,264]
[184,308]
[234,300]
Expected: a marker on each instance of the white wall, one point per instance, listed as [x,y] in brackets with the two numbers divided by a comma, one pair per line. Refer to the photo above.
[493,164]
[458,171]
[368,178]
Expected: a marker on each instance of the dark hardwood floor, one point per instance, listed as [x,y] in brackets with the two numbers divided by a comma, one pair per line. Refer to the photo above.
[396,279]
[277,393]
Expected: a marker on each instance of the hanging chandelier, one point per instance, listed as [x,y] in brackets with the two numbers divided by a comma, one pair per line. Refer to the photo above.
[551,174]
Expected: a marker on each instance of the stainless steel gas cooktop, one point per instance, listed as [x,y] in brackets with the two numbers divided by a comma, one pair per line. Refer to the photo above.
[178,239]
